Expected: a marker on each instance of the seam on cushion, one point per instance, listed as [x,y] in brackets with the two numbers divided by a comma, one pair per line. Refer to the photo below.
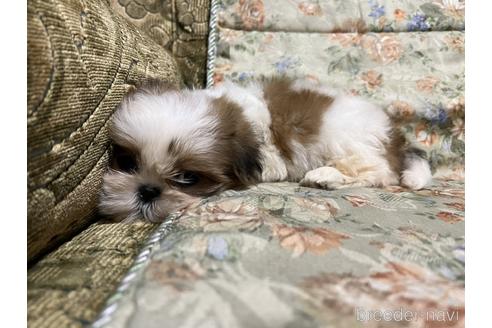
[329,32]
[52,70]
[136,270]
[212,43]
[174,26]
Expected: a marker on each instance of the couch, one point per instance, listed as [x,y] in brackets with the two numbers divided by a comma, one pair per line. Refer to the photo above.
[274,255]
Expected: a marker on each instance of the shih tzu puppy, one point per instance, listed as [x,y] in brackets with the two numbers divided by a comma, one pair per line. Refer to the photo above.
[172,147]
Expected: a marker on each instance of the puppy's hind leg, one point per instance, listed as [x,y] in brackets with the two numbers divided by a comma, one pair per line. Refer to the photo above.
[326,177]
[345,174]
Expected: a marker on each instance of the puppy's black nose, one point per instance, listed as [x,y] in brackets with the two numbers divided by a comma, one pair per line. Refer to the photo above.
[148,193]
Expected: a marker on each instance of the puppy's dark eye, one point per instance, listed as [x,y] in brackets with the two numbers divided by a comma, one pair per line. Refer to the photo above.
[124,160]
[127,163]
[186,179]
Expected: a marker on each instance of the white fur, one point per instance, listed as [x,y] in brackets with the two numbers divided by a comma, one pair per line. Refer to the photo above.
[326,177]
[151,128]
[417,173]
[354,134]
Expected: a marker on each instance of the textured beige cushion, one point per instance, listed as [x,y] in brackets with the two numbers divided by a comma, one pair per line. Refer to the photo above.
[181,26]
[82,56]
[68,287]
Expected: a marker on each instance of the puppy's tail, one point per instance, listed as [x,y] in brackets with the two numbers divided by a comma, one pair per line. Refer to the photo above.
[409,162]
[416,171]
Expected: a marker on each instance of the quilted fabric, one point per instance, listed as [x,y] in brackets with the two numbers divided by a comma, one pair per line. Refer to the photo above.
[179,26]
[82,57]
[279,255]
[68,287]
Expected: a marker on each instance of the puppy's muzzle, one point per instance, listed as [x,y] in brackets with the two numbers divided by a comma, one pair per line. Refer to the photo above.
[148,193]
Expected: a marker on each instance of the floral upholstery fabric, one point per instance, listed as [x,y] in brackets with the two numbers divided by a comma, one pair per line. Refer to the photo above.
[280,255]
[343,16]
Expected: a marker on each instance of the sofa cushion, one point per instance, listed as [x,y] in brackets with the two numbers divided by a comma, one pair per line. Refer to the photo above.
[82,57]
[179,26]
[68,287]
[288,256]
[342,16]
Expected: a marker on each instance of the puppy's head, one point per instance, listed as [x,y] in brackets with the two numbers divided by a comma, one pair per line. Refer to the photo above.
[170,148]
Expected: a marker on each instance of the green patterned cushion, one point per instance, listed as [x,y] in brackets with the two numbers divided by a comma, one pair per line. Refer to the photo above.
[280,255]
[68,287]
[179,26]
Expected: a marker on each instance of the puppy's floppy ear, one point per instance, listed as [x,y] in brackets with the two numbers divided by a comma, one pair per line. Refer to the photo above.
[238,143]
[247,167]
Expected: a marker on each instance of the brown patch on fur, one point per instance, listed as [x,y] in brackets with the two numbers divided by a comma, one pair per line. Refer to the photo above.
[205,166]
[234,160]
[296,115]
[210,168]
[237,142]
[396,150]
[171,148]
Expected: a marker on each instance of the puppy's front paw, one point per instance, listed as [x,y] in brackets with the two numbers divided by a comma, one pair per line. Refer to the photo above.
[325,177]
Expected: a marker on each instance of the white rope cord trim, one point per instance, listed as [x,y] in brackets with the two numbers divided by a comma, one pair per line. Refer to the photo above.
[212,42]
[137,268]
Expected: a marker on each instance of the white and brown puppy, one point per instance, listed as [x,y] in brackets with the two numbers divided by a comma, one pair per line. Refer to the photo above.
[172,147]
